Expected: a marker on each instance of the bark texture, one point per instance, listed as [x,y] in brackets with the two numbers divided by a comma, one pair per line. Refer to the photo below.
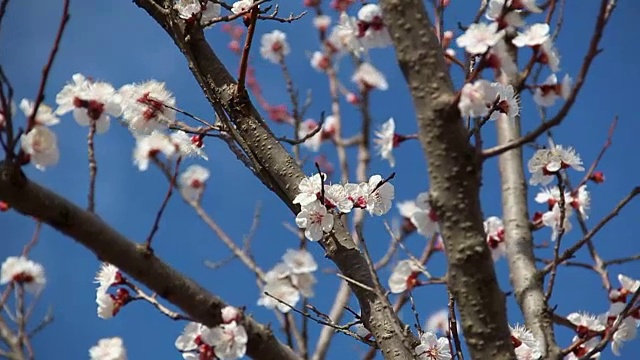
[279,171]
[88,229]
[455,180]
[525,278]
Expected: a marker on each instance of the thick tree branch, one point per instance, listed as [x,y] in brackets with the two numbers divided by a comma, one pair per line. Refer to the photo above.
[89,230]
[454,171]
[281,171]
[527,285]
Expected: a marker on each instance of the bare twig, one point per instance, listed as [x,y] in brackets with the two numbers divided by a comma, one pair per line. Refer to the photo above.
[165,201]
[47,68]
[93,167]
[244,60]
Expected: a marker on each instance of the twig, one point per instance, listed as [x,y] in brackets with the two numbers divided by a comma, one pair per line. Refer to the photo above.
[453,326]
[151,299]
[93,167]
[156,222]
[47,68]
[556,247]
[34,239]
[244,60]
[308,136]
[415,313]
[324,321]
[355,282]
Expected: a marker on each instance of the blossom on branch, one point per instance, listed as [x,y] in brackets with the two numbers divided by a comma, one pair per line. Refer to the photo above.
[147,106]
[20,270]
[545,163]
[405,276]
[41,145]
[433,348]
[90,101]
[192,182]
[274,46]
[479,37]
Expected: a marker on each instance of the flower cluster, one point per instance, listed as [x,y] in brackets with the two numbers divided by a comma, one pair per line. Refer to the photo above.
[110,304]
[227,341]
[20,270]
[317,201]
[108,349]
[589,327]
[286,282]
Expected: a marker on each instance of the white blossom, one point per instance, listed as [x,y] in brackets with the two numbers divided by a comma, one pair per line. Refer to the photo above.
[310,187]
[407,208]
[106,305]
[404,276]
[385,141]
[380,197]
[545,163]
[108,349]
[90,101]
[282,290]
[229,340]
[274,46]
[508,102]
[45,115]
[107,276]
[553,218]
[315,219]
[425,220]
[187,9]
[586,321]
[534,35]
[148,146]
[241,6]
[549,55]
[477,98]
[438,322]
[372,31]
[479,37]
[527,347]
[299,261]
[147,106]
[21,270]
[494,228]
[230,313]
[192,182]
[345,35]
[545,95]
[41,144]
[368,77]
[433,348]
[319,61]
[186,146]
[336,195]
[304,283]
[314,142]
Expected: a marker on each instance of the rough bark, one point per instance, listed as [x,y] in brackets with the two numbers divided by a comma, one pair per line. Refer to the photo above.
[89,230]
[527,282]
[455,179]
[279,169]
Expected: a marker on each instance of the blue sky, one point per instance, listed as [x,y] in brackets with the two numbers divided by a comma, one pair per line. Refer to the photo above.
[117,42]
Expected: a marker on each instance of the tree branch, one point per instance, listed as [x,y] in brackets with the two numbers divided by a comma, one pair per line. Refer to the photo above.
[279,169]
[88,229]
[454,173]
